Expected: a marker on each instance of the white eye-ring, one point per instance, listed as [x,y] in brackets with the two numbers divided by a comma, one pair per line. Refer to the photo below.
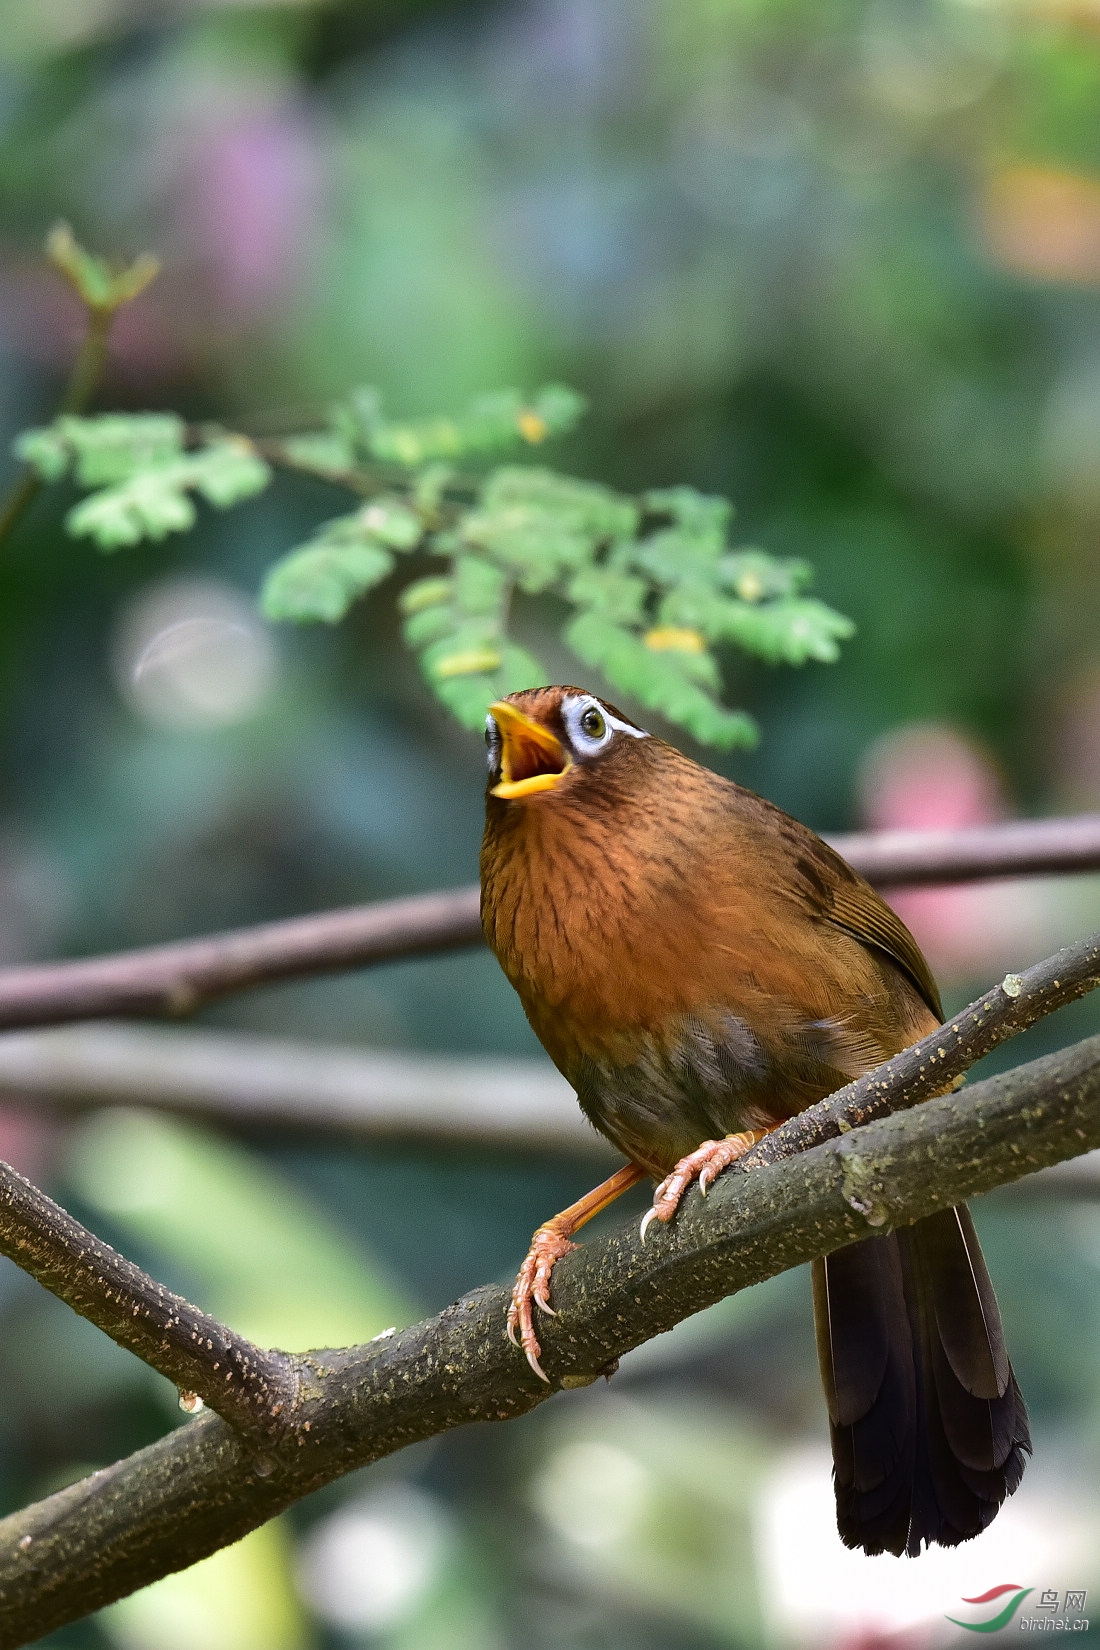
[592,726]
[492,742]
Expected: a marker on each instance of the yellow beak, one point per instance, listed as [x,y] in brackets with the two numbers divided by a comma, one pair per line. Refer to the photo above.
[532,759]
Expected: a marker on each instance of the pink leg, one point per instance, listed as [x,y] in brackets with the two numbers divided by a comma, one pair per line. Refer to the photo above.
[704,1164]
[548,1245]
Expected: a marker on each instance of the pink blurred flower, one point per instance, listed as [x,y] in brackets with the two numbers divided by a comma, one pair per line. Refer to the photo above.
[248,197]
[933,777]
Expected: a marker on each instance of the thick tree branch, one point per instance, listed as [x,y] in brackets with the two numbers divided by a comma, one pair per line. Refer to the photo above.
[250,1387]
[177,979]
[204,1486]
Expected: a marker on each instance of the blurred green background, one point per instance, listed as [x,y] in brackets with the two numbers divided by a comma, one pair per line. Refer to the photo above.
[837,260]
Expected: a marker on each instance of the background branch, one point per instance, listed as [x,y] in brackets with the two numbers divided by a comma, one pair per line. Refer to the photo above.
[203,1486]
[177,979]
[239,1078]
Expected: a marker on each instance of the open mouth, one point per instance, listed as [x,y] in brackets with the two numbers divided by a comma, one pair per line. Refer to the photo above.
[532,759]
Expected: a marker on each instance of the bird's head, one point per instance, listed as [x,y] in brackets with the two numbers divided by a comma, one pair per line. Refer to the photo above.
[549,741]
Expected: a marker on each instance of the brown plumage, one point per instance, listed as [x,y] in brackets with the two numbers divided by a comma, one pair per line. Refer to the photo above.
[700,966]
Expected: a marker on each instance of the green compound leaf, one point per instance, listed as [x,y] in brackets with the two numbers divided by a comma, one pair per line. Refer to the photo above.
[754,576]
[539,524]
[700,514]
[346,558]
[653,586]
[788,631]
[105,450]
[155,501]
[323,581]
[675,683]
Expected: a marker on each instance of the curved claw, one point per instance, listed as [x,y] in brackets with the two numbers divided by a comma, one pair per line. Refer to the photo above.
[531,1290]
[649,1216]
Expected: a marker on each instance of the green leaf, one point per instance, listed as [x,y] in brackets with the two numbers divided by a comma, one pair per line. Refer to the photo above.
[699,514]
[323,450]
[479,587]
[148,506]
[392,522]
[788,631]
[103,450]
[678,555]
[559,409]
[518,670]
[428,624]
[429,485]
[45,450]
[675,684]
[227,471]
[154,502]
[467,648]
[322,582]
[754,576]
[466,697]
[490,423]
[609,591]
[425,593]
[540,524]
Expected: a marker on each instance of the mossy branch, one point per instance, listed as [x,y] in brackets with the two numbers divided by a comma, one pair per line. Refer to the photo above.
[206,1485]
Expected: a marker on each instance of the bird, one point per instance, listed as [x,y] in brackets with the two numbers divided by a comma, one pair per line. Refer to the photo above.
[701,966]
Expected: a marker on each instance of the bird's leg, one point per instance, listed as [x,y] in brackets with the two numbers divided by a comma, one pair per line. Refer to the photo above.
[704,1164]
[549,1243]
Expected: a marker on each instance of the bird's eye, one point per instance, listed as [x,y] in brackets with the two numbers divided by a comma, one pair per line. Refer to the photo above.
[593,724]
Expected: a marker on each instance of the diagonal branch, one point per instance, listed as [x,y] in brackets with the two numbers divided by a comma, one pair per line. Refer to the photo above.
[939,1060]
[176,979]
[246,1385]
[203,1486]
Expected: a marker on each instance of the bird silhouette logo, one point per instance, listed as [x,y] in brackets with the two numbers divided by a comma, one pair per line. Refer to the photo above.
[1002,1617]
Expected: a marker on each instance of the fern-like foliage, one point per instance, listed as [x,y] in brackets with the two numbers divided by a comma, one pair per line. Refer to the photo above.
[653,587]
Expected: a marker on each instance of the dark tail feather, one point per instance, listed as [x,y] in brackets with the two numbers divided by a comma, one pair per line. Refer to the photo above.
[929,1427]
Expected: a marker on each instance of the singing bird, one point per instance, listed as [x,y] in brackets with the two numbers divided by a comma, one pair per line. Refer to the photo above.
[700,967]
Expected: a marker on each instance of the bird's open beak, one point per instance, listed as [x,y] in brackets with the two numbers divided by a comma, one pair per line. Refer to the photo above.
[531,759]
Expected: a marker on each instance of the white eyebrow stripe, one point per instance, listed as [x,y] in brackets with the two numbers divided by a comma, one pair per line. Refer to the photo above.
[623,727]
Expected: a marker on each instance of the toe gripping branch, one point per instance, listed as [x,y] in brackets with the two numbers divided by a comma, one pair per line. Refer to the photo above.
[550,1242]
[704,1164]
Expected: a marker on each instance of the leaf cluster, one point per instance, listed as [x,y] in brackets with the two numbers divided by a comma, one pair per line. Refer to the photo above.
[652,587]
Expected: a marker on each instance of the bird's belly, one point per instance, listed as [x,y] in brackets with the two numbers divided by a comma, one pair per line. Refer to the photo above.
[699,1082]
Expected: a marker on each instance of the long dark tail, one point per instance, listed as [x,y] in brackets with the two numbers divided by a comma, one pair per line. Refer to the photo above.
[929,1427]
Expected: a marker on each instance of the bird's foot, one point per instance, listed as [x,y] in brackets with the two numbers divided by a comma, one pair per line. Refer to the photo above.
[704,1164]
[531,1286]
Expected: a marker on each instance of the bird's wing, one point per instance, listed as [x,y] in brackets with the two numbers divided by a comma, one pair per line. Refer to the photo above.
[855,907]
[828,885]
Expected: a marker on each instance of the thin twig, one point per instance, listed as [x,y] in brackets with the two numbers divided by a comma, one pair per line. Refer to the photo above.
[203,1486]
[248,1386]
[174,980]
[85,375]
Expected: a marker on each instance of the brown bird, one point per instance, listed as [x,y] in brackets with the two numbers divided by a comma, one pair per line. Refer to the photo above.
[700,967]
